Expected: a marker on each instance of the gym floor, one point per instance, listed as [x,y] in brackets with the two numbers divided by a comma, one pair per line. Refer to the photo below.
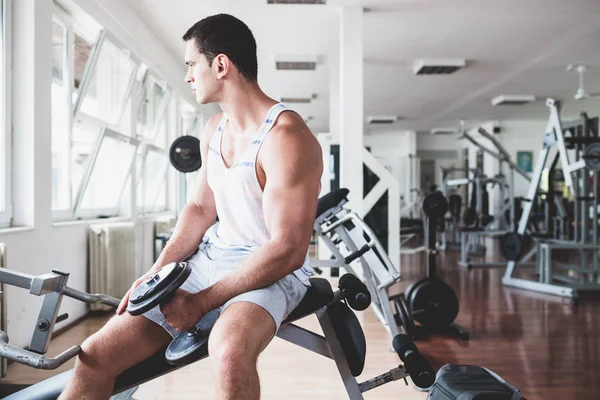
[547,346]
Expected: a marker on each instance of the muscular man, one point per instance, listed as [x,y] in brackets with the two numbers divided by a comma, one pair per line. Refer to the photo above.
[261,172]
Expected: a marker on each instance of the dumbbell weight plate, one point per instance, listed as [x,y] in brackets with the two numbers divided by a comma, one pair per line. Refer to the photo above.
[511,246]
[592,157]
[411,288]
[158,287]
[189,345]
[434,304]
[435,205]
[184,154]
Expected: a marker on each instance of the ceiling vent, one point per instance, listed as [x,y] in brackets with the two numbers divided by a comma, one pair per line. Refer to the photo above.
[298,99]
[512,100]
[296,65]
[444,131]
[296,1]
[438,67]
[295,62]
[382,120]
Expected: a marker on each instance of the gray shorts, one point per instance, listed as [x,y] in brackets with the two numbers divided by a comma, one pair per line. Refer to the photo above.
[212,264]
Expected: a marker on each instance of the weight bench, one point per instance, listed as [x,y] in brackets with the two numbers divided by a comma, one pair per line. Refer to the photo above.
[343,339]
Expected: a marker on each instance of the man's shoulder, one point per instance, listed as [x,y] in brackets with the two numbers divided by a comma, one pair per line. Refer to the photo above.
[289,126]
[289,136]
[211,126]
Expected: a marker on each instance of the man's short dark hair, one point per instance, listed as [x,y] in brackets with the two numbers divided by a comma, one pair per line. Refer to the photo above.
[225,34]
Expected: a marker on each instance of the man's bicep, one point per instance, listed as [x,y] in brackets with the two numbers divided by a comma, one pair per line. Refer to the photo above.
[291,194]
[203,194]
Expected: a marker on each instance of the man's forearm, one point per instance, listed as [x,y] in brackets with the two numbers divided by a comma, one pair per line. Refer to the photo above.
[187,235]
[265,266]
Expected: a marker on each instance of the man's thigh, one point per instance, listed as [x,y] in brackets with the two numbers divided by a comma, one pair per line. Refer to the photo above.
[124,341]
[278,300]
[243,330]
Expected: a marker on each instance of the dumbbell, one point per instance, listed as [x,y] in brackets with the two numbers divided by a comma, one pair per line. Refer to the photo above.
[159,289]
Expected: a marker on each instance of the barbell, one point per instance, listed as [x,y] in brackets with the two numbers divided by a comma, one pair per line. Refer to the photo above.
[184,154]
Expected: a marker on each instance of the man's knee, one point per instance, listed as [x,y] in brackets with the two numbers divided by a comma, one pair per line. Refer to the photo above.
[94,353]
[230,350]
[99,352]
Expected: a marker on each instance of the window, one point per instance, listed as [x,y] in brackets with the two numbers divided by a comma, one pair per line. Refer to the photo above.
[106,89]
[151,188]
[72,48]
[93,79]
[154,122]
[106,174]
[61,108]
[5,198]
[190,119]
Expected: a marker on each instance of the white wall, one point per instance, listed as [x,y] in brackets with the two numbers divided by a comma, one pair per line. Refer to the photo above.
[391,148]
[427,141]
[430,143]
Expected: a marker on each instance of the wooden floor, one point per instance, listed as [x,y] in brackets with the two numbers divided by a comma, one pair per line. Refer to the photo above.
[547,346]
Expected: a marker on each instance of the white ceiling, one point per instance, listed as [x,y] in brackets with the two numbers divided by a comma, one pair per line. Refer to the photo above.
[511,46]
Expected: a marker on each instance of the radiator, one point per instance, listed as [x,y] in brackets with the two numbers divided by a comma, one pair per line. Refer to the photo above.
[111,261]
[162,232]
[3,264]
[164,225]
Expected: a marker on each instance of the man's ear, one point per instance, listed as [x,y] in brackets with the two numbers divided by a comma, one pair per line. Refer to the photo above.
[222,65]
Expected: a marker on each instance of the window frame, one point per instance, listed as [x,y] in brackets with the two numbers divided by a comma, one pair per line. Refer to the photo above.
[150,208]
[89,71]
[64,19]
[148,143]
[80,118]
[146,97]
[113,211]
[6,214]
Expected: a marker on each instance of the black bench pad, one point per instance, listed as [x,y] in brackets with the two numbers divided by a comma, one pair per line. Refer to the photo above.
[330,200]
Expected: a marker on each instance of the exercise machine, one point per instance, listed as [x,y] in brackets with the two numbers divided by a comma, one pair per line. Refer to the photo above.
[450,236]
[343,232]
[411,223]
[562,279]
[497,225]
[342,341]
[431,301]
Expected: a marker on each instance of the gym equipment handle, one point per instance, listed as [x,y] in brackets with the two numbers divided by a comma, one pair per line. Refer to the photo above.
[91,298]
[357,254]
[43,284]
[33,359]
[416,364]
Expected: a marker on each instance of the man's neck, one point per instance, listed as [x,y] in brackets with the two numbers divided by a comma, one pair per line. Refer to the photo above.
[246,107]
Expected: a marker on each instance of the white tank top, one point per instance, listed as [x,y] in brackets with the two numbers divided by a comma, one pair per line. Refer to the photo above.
[238,195]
